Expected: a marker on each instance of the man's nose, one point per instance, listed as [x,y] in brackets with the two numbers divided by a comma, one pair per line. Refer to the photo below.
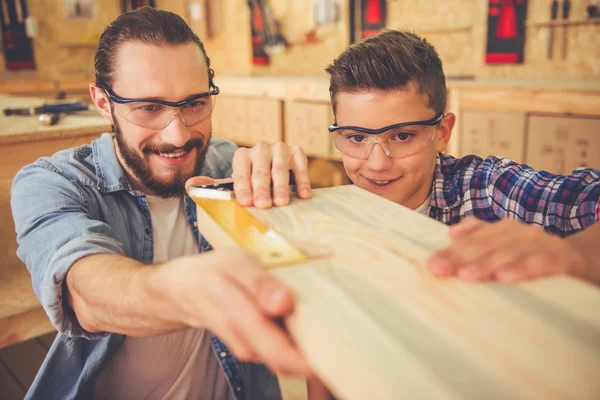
[176,133]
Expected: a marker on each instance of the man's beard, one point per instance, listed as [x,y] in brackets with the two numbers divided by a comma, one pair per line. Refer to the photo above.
[165,188]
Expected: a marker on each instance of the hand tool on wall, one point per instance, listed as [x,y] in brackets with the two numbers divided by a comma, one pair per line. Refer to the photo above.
[373,16]
[17,47]
[593,10]
[48,119]
[257,25]
[566,9]
[553,15]
[506,31]
[47,109]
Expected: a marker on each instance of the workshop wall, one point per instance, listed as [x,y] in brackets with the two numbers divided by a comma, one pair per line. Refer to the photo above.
[65,48]
[457,28]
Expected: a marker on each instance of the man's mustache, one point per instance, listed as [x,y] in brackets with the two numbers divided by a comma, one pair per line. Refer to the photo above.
[169,148]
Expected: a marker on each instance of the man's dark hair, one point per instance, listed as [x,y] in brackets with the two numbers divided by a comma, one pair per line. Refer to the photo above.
[388,61]
[147,25]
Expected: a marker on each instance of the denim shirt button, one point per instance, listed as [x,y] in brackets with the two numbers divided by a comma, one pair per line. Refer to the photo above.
[223,354]
[196,224]
[239,388]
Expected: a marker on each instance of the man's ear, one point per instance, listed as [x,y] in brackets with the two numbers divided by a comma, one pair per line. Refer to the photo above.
[100,99]
[445,131]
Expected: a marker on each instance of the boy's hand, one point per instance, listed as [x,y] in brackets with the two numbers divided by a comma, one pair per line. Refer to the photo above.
[505,251]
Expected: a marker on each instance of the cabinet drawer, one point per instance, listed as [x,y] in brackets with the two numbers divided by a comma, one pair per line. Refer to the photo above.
[265,121]
[307,125]
[562,144]
[500,134]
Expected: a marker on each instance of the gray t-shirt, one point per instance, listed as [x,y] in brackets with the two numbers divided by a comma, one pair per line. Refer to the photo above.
[175,365]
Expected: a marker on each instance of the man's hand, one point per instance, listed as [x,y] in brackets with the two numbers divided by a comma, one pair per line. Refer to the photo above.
[253,170]
[505,251]
[229,293]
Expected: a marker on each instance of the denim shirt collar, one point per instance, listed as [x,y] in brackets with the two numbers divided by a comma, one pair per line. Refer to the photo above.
[109,172]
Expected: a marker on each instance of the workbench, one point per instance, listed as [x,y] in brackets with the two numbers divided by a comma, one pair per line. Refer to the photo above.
[22,141]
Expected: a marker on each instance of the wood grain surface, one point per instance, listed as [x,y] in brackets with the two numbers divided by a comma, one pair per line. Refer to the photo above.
[375,324]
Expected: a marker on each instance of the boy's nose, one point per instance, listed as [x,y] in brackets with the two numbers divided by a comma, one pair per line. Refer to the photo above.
[379,158]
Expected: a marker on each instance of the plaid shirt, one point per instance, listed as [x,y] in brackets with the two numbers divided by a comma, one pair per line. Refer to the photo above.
[497,188]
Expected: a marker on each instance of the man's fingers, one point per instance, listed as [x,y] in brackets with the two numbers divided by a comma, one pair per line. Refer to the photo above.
[266,340]
[274,298]
[299,166]
[261,175]
[242,172]
[281,177]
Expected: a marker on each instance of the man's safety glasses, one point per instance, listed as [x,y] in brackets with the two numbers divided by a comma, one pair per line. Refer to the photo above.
[157,114]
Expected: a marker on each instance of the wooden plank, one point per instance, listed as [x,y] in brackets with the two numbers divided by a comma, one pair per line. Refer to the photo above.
[374,323]
[28,87]
[531,100]
[24,326]
[10,389]
[24,360]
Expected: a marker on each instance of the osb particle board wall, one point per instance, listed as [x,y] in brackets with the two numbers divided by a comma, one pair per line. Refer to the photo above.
[56,54]
[456,27]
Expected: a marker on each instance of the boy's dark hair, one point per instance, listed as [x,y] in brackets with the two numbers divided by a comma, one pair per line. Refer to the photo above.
[147,25]
[388,61]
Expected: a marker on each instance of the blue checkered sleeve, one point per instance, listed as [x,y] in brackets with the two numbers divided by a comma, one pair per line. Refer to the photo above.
[496,188]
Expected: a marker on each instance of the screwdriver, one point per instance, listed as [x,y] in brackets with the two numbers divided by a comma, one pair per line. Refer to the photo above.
[566,8]
[553,15]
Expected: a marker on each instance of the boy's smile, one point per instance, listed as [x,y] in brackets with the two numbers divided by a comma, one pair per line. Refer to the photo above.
[406,180]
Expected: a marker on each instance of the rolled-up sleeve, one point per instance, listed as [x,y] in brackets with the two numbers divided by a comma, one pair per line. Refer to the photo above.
[54,230]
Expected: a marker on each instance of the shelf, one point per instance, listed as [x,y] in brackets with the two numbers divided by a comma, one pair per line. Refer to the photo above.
[569,22]
[449,29]
[78,45]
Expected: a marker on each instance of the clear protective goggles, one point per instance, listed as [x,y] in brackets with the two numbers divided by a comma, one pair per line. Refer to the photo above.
[397,141]
[157,114]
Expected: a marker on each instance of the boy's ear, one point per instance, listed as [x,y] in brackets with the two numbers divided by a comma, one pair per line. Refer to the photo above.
[100,99]
[445,131]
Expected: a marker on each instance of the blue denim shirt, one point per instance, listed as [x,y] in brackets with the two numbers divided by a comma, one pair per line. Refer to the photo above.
[78,203]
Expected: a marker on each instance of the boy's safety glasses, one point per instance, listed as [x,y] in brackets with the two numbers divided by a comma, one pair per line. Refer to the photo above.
[397,141]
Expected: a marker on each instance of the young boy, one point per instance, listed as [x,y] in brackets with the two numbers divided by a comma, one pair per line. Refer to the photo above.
[389,98]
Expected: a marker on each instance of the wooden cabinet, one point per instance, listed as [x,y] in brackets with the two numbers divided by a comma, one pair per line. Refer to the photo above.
[493,133]
[22,141]
[562,144]
[230,119]
[306,126]
[246,121]
[265,121]
[556,144]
